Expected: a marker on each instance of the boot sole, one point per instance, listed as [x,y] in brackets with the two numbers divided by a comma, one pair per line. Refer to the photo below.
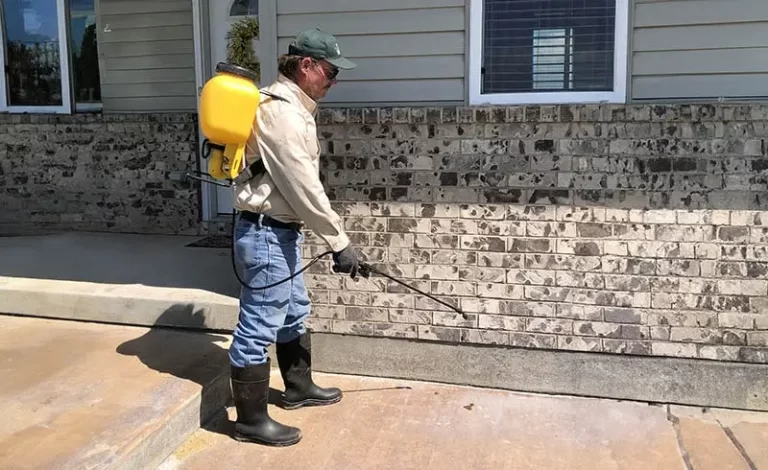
[309,402]
[253,440]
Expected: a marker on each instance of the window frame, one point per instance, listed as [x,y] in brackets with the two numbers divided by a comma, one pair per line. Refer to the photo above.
[475,62]
[66,107]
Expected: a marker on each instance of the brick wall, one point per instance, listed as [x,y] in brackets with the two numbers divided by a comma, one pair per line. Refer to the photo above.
[98,172]
[628,230]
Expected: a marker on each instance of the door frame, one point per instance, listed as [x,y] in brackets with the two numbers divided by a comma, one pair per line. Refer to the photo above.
[200,36]
[62,21]
[202,47]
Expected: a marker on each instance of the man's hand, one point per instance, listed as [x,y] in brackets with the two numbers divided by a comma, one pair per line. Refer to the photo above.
[345,261]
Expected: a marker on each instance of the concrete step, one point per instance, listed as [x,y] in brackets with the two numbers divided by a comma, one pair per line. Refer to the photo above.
[78,395]
[383,423]
[142,280]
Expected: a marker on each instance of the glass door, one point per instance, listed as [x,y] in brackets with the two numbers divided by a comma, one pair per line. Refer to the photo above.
[36,56]
[3,95]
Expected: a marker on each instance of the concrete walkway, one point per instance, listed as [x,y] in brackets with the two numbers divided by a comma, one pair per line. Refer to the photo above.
[77,395]
[81,395]
[394,424]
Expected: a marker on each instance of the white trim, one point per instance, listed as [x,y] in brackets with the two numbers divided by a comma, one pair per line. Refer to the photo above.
[66,85]
[197,37]
[475,50]
[268,40]
[618,95]
[207,194]
[621,52]
[66,92]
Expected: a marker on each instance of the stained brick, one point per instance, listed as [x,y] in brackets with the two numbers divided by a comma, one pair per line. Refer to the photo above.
[438,333]
[413,317]
[532,340]
[571,343]
[485,337]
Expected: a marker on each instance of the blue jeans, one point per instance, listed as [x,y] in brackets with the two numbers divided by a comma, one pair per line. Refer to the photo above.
[266,255]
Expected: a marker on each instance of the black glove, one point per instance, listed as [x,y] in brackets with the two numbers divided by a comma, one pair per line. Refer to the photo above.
[345,261]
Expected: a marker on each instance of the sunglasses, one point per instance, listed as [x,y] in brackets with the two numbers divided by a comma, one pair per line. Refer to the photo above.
[331,72]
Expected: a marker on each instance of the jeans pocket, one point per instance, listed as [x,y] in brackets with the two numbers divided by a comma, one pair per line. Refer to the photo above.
[284,236]
[250,248]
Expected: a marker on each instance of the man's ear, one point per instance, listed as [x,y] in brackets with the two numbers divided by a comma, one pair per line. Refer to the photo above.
[305,63]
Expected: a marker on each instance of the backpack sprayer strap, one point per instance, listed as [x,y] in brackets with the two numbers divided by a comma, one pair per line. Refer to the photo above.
[251,171]
[256,168]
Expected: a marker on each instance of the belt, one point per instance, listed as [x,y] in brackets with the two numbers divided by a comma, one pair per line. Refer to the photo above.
[264,219]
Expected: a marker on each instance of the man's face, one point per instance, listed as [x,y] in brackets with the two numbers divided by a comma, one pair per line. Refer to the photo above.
[316,77]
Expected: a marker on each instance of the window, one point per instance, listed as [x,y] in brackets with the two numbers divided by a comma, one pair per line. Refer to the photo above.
[547,51]
[49,65]
[244,8]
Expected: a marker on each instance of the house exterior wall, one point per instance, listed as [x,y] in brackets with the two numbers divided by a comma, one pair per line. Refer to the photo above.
[617,229]
[699,49]
[147,56]
[407,51]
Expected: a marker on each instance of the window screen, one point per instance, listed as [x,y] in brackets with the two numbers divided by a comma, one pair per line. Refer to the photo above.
[548,45]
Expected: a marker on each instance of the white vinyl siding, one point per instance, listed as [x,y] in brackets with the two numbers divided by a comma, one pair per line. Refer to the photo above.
[147,57]
[700,49]
[406,51]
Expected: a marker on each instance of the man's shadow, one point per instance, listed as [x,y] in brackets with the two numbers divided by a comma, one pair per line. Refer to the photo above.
[176,345]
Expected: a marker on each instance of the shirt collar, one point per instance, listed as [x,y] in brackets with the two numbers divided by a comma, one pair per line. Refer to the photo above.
[303,98]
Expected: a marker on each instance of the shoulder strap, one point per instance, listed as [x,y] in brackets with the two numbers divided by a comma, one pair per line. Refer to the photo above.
[273,95]
[256,168]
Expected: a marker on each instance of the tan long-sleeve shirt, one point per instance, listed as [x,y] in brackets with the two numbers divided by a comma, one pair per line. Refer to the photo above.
[285,137]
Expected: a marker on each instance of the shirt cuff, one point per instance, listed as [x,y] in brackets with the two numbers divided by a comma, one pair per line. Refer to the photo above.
[336,242]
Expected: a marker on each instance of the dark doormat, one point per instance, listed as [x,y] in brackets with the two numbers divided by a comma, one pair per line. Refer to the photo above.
[213,241]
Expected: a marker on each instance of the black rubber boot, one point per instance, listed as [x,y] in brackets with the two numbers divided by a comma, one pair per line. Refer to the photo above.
[295,360]
[250,389]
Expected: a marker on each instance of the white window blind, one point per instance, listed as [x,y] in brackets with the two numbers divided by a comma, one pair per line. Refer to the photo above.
[548,45]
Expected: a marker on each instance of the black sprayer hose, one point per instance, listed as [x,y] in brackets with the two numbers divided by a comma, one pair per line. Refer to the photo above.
[242,283]
[365,270]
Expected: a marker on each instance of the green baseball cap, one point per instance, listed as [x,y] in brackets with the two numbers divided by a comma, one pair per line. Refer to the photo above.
[320,45]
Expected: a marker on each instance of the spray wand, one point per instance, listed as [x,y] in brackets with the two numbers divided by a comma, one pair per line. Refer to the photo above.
[366,269]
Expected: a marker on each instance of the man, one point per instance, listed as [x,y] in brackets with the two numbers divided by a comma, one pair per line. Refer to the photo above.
[273,206]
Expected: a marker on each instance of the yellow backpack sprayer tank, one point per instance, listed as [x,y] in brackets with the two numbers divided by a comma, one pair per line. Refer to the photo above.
[228,105]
